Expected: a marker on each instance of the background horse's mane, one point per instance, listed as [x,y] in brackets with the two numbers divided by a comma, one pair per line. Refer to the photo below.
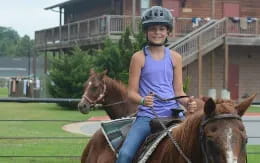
[113,84]
[188,130]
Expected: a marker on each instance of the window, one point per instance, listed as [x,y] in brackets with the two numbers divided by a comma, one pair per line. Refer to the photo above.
[145,4]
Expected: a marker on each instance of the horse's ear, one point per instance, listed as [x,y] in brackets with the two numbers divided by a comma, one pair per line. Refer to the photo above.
[102,74]
[105,72]
[244,105]
[92,71]
[209,107]
[205,98]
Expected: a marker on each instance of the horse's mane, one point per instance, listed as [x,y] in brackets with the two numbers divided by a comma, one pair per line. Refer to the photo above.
[189,128]
[113,84]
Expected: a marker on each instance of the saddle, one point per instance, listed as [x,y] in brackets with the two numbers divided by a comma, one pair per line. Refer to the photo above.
[115,132]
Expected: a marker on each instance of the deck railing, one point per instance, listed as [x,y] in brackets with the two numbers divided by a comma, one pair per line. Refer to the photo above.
[113,25]
[242,27]
[98,27]
[212,36]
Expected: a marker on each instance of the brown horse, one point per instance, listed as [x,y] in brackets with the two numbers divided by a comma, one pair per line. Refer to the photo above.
[213,134]
[112,94]
[100,89]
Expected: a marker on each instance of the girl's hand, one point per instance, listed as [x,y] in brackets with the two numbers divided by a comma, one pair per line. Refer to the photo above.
[191,105]
[148,100]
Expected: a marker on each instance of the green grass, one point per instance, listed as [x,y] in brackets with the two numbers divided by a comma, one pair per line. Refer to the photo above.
[254,109]
[39,147]
[51,147]
[3,92]
[253,158]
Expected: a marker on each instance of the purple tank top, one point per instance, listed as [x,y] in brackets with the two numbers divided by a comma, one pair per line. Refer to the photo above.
[157,77]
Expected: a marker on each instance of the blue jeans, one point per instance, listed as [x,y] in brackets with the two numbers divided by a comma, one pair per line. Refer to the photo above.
[136,136]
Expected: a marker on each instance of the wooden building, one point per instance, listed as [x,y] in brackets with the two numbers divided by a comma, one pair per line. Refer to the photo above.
[219,54]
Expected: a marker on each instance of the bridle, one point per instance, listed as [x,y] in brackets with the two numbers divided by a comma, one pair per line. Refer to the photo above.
[207,120]
[100,99]
[204,122]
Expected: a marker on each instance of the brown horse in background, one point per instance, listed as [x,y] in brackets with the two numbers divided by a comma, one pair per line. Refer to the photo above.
[213,134]
[112,94]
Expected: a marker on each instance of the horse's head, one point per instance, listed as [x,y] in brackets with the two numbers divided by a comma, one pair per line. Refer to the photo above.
[222,134]
[94,91]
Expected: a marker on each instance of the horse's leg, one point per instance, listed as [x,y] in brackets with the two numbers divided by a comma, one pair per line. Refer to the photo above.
[97,150]
[85,152]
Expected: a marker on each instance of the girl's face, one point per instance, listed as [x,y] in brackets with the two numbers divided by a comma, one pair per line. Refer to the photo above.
[157,34]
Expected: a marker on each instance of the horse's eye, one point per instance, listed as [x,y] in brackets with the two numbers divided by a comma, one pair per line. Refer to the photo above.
[93,89]
[241,128]
[213,129]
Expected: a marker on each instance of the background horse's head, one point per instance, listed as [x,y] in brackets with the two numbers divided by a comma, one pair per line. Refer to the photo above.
[94,91]
[222,133]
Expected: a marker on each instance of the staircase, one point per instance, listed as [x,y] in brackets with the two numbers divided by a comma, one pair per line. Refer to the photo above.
[203,40]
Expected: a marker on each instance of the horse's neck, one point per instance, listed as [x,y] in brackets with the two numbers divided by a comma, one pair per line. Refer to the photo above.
[187,136]
[117,94]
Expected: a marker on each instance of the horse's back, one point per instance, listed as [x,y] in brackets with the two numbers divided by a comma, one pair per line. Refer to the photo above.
[98,150]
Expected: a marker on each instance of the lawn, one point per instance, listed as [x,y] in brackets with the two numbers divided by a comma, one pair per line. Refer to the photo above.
[3,92]
[62,148]
[59,149]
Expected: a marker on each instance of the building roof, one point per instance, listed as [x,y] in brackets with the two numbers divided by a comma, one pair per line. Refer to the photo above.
[62,4]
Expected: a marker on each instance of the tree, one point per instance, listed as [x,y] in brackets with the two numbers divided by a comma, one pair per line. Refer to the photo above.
[11,44]
[68,74]
[25,46]
[116,57]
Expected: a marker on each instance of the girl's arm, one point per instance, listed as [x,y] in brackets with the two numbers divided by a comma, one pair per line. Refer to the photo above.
[136,64]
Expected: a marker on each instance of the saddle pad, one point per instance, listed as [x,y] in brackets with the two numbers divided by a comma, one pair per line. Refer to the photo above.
[115,131]
[150,145]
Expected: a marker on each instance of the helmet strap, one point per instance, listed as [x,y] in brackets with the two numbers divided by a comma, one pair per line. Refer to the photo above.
[153,44]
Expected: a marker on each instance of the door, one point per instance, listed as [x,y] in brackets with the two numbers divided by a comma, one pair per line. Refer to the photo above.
[231,10]
[233,81]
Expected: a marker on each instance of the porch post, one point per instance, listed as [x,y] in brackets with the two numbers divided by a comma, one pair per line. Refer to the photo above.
[212,69]
[226,65]
[213,9]
[199,66]
[60,43]
[133,14]
[45,62]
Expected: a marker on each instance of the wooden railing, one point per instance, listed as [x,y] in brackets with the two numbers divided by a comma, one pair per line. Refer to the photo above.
[97,28]
[213,36]
[236,28]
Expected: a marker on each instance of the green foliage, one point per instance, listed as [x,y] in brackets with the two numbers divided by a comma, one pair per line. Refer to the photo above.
[186,84]
[68,74]
[11,44]
[116,57]
[109,58]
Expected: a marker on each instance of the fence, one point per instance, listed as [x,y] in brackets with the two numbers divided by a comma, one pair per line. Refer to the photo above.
[50,139]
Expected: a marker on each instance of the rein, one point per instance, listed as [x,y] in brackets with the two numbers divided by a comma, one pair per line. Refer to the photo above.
[207,120]
[165,128]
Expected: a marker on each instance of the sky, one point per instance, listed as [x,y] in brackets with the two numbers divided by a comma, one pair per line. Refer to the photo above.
[28,16]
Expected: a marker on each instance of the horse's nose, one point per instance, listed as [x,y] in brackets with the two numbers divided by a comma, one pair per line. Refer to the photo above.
[84,108]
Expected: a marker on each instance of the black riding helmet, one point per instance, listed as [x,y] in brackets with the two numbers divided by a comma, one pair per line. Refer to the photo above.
[157,15]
